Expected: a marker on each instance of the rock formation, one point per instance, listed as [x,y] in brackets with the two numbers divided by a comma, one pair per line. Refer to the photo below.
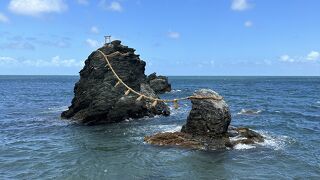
[207,127]
[159,84]
[207,117]
[97,101]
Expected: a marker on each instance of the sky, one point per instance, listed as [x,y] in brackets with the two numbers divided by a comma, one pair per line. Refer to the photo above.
[174,37]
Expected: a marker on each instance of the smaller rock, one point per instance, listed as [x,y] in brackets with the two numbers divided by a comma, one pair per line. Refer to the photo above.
[116,42]
[160,108]
[159,84]
[207,127]
[208,117]
[243,135]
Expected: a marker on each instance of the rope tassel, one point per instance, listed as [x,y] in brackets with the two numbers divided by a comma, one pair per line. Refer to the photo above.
[139,98]
[175,104]
[127,92]
[117,84]
[154,103]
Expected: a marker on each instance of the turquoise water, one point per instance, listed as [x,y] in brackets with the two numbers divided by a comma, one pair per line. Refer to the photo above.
[37,144]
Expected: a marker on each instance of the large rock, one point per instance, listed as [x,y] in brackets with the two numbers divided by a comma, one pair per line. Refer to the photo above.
[208,117]
[207,127]
[97,101]
[159,84]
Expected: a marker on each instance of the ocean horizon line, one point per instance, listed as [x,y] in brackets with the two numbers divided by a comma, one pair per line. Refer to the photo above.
[175,75]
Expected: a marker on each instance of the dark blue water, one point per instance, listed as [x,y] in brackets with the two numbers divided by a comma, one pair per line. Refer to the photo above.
[36,143]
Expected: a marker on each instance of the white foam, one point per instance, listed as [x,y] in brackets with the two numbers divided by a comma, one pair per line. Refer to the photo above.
[236,138]
[174,129]
[318,102]
[274,142]
[169,128]
[175,90]
[249,111]
[56,109]
[243,146]
[128,120]
[270,141]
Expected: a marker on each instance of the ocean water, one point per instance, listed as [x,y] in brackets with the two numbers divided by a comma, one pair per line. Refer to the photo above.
[37,144]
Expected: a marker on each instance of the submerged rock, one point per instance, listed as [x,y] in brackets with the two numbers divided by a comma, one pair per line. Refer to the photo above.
[243,135]
[159,84]
[97,101]
[207,127]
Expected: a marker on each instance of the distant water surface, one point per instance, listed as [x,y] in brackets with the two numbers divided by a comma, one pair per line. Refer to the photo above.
[37,144]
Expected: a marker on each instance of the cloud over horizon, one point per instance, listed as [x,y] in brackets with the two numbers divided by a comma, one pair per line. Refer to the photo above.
[55,61]
[312,56]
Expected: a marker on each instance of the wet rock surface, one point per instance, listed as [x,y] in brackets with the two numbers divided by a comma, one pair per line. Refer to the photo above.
[97,101]
[207,127]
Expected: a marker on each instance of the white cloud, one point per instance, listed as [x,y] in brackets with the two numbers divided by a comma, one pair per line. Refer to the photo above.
[83,2]
[240,5]
[3,18]
[113,6]
[248,23]
[94,29]
[93,43]
[173,35]
[313,56]
[286,58]
[7,60]
[55,61]
[36,7]
[21,45]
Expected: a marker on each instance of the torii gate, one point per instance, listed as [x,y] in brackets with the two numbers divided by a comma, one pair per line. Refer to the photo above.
[107,39]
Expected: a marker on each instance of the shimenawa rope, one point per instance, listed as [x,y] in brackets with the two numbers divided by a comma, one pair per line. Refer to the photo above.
[142,96]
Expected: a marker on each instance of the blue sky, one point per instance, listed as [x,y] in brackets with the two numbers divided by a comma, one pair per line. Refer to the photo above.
[174,37]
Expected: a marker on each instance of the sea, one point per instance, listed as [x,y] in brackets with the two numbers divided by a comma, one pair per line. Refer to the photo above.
[37,144]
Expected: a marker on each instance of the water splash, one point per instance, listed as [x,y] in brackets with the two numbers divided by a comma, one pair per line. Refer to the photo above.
[249,112]
[243,146]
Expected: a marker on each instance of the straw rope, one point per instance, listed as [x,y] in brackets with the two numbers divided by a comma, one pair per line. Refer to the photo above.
[142,96]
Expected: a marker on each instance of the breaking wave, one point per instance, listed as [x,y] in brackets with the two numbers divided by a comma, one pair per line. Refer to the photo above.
[249,111]
[244,146]
[270,141]
[175,90]
[56,109]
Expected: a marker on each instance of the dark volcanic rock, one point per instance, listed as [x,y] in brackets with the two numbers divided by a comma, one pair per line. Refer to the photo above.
[207,127]
[208,117]
[159,84]
[243,135]
[97,101]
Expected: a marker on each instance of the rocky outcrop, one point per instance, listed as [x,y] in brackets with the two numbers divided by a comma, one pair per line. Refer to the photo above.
[207,127]
[208,117]
[243,135]
[97,101]
[159,84]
